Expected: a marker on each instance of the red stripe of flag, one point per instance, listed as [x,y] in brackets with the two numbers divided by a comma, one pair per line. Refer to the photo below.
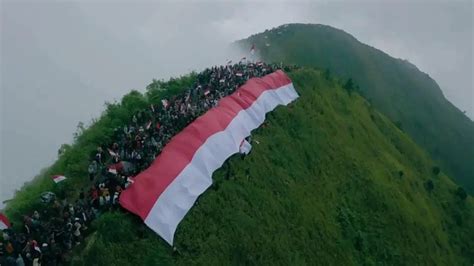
[4,222]
[150,184]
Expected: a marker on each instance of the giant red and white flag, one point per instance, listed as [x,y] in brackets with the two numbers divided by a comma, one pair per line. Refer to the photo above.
[58,178]
[163,194]
[4,222]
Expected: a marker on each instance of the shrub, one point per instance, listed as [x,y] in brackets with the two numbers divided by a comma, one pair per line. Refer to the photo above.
[461,193]
[327,74]
[436,170]
[429,185]
[349,86]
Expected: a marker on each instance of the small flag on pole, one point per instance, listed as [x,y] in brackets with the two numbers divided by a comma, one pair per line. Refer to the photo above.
[4,222]
[245,147]
[58,178]
[37,248]
[206,92]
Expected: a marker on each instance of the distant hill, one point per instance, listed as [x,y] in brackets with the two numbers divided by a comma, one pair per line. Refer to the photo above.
[396,87]
[331,181]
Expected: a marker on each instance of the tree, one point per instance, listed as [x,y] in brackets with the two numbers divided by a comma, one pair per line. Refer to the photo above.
[349,86]
[63,149]
[461,193]
[429,186]
[79,130]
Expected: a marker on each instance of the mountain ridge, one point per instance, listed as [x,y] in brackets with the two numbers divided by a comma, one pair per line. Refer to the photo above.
[396,87]
[315,190]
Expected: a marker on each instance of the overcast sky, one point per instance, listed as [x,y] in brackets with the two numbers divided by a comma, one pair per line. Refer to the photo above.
[60,61]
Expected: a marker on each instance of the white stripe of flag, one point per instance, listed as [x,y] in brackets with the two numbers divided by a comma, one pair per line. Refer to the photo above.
[162,198]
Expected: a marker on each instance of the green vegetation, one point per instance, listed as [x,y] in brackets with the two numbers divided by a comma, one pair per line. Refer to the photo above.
[332,181]
[74,159]
[395,87]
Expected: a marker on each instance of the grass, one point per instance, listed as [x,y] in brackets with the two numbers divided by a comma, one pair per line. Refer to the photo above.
[394,86]
[322,187]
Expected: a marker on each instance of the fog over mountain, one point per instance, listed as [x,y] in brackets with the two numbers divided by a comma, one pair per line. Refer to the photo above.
[61,61]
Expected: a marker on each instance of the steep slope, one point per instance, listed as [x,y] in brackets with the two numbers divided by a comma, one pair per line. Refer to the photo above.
[397,88]
[331,181]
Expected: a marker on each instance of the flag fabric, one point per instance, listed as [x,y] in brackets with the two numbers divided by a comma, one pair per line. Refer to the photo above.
[148,125]
[238,74]
[165,103]
[115,168]
[206,92]
[112,153]
[245,147]
[4,222]
[58,178]
[163,193]
[37,248]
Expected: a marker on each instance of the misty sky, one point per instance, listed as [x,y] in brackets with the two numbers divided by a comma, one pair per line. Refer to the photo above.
[60,61]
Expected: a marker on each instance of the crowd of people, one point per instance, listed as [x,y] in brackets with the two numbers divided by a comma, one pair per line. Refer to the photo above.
[49,234]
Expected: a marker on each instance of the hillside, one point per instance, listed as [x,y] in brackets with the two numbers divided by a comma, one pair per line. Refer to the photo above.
[397,88]
[332,181]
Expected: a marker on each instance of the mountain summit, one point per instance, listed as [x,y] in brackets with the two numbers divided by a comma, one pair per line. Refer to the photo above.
[409,97]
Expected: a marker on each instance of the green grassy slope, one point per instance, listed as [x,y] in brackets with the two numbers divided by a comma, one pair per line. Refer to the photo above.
[395,87]
[324,186]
